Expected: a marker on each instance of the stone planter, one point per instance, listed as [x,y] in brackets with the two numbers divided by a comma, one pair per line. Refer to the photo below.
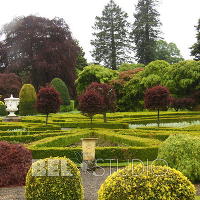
[11,106]
[88,148]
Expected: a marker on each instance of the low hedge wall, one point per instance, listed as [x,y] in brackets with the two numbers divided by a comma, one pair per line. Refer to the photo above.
[94,125]
[27,138]
[129,140]
[60,141]
[120,153]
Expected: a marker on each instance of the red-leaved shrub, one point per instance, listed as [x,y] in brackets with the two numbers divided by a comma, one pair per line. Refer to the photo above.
[182,103]
[48,101]
[91,103]
[15,161]
[157,98]
[107,92]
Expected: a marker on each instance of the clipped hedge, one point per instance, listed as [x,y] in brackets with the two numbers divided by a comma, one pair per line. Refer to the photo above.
[182,153]
[60,86]
[58,179]
[27,98]
[120,153]
[140,182]
[94,125]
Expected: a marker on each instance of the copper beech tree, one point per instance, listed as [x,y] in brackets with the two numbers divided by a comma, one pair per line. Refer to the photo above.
[39,49]
[157,98]
[9,84]
[48,101]
[91,103]
[107,92]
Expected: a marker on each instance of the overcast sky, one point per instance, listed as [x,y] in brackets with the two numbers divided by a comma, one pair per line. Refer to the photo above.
[177,16]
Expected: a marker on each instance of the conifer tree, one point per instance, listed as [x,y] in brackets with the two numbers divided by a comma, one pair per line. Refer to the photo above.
[196,47]
[146,30]
[112,44]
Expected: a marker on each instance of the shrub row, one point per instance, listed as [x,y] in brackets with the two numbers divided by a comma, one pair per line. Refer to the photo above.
[120,153]
[94,125]
[60,141]
[127,139]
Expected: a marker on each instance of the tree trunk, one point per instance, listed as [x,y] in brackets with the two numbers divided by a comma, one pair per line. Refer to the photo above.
[47,118]
[91,118]
[158,118]
[104,117]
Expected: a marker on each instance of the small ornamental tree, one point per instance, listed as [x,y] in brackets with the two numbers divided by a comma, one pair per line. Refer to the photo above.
[48,101]
[61,87]
[91,103]
[107,92]
[157,98]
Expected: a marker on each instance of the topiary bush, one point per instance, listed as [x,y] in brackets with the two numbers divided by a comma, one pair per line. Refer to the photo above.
[61,87]
[67,108]
[3,111]
[27,98]
[15,160]
[182,153]
[54,178]
[140,182]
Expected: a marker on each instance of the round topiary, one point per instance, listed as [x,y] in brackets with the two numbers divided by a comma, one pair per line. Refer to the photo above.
[142,182]
[61,87]
[3,111]
[182,152]
[54,178]
[27,98]
[15,160]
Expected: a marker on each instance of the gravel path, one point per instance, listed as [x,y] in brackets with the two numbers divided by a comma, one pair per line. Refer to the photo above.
[91,183]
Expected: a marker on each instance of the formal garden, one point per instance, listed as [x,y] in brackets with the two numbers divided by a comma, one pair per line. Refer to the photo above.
[118,128]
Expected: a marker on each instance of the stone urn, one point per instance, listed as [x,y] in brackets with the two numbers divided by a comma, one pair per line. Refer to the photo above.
[88,148]
[11,106]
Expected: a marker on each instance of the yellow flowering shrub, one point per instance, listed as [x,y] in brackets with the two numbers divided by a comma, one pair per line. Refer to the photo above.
[141,182]
[54,178]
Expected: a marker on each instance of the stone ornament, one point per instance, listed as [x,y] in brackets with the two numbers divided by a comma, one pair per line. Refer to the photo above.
[11,105]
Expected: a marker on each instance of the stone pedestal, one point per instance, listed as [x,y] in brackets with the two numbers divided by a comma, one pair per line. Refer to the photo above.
[11,119]
[88,148]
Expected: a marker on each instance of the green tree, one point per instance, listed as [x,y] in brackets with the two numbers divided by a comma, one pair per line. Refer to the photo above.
[146,30]
[127,66]
[61,87]
[151,76]
[182,78]
[94,73]
[81,61]
[168,52]
[196,46]
[112,44]
[27,98]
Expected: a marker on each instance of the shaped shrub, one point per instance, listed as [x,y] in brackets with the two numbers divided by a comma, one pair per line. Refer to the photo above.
[27,102]
[15,160]
[182,153]
[61,87]
[152,182]
[3,111]
[54,178]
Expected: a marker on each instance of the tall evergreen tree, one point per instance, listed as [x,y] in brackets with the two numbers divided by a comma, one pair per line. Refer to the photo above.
[196,46]
[112,45]
[146,30]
